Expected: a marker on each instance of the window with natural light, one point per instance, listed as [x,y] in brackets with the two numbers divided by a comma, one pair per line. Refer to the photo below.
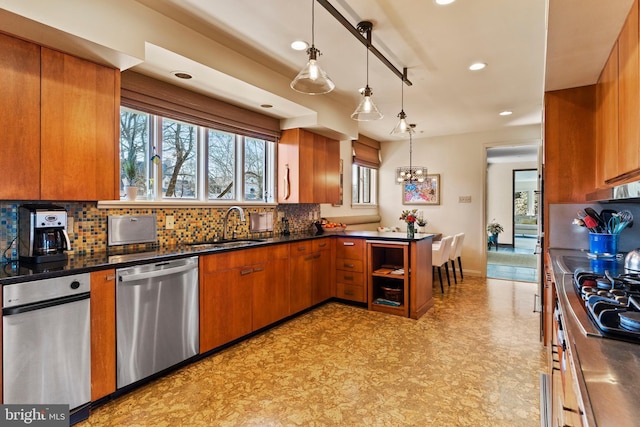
[166,159]
[365,188]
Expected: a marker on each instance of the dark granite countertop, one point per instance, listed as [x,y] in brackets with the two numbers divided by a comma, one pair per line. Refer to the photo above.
[15,272]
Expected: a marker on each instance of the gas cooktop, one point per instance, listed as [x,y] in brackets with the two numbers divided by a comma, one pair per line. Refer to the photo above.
[612,302]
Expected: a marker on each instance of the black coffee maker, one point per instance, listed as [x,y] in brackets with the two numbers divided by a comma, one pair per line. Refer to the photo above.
[42,233]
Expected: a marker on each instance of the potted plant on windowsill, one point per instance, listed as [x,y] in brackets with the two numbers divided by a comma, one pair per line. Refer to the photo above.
[494,228]
[130,172]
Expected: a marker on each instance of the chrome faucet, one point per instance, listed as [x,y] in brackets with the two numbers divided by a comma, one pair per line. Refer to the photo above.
[226,219]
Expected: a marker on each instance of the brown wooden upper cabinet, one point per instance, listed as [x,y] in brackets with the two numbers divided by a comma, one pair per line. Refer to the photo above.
[80,129]
[60,117]
[308,168]
[618,109]
[20,119]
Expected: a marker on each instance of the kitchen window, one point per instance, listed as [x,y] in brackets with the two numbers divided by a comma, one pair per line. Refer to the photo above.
[365,186]
[176,160]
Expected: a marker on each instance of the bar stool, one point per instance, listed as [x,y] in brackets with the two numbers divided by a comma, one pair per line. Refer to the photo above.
[456,251]
[440,256]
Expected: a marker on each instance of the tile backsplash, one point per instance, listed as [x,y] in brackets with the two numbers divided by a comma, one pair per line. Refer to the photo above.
[88,233]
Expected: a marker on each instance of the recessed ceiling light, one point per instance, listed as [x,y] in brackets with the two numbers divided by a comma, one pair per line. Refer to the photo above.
[182,75]
[506,113]
[299,45]
[476,66]
[444,2]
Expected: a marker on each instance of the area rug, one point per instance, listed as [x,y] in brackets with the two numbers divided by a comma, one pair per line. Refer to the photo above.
[512,259]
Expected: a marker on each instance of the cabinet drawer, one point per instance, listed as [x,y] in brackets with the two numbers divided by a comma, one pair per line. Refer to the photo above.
[301,248]
[349,264]
[349,277]
[350,248]
[350,292]
[321,245]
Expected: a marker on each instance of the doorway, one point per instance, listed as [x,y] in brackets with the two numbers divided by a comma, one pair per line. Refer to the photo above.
[512,201]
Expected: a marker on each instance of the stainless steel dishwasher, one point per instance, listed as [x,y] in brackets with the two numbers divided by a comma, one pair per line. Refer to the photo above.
[156,317]
[46,341]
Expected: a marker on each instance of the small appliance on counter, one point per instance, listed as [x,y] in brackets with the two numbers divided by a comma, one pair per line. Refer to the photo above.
[42,233]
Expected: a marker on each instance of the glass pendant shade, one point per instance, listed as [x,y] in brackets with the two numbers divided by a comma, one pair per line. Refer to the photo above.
[312,79]
[402,126]
[366,110]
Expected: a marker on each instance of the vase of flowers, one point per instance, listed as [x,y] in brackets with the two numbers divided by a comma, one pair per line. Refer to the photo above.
[494,228]
[410,217]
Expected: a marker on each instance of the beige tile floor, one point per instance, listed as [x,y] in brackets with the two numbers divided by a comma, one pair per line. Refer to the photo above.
[472,360]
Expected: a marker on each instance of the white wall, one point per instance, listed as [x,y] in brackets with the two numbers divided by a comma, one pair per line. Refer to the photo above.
[461,162]
[499,196]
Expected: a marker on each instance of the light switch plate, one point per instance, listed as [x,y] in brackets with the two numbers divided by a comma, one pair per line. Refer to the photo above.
[464,199]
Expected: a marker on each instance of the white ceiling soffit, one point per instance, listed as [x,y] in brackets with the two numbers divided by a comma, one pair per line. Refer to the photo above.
[581,34]
[513,154]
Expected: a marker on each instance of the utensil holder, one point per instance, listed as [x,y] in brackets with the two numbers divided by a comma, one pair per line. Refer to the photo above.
[603,245]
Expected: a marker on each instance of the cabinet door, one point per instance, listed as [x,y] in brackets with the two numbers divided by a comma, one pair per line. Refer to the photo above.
[271,295]
[629,93]
[20,119]
[301,268]
[80,119]
[226,302]
[607,121]
[321,290]
[103,333]
[569,145]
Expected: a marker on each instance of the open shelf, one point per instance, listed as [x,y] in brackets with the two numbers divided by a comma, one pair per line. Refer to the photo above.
[388,278]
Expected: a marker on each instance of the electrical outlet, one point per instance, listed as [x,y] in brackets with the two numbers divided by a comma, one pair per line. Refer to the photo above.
[169,223]
[69,225]
[464,199]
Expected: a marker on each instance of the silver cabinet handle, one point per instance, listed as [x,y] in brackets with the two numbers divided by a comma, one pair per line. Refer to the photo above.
[348,243]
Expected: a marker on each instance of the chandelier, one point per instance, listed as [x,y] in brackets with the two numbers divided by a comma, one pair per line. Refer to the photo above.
[411,173]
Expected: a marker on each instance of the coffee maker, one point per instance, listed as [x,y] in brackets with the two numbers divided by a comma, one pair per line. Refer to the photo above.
[42,233]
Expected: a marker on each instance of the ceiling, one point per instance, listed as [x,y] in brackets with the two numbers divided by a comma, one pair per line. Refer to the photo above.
[436,43]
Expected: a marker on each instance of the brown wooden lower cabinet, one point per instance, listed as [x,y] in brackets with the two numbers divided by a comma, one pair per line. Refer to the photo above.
[271,290]
[241,291]
[103,333]
[321,286]
[349,274]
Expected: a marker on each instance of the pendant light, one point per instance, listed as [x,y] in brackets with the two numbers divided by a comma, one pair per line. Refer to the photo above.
[366,110]
[410,174]
[312,79]
[402,127]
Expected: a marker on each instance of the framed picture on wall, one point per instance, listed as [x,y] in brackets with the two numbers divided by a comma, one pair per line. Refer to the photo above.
[422,193]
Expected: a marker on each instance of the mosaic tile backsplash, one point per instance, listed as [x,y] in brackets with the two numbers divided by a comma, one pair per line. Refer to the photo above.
[89,232]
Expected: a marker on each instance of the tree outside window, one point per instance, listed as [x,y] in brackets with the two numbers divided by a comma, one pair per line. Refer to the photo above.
[179,162]
[236,167]
[134,145]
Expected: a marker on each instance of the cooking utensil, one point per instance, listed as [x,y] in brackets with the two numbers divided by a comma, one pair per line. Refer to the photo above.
[627,217]
[613,224]
[606,214]
[593,214]
[591,224]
